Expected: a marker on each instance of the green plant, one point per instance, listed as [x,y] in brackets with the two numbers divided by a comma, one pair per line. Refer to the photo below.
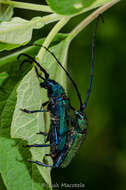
[20,90]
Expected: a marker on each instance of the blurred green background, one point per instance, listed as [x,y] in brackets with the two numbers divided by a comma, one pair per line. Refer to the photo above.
[101,161]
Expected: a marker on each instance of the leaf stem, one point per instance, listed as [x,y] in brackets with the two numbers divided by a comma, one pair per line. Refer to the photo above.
[46,19]
[90,18]
[30,6]
[51,35]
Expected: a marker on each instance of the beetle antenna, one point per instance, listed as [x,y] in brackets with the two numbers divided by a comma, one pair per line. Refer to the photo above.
[36,70]
[92,67]
[33,60]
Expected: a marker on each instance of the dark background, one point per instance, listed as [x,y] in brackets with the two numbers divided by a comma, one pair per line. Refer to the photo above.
[101,161]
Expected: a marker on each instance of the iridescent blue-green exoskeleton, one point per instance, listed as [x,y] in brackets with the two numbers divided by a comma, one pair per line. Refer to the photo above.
[65,140]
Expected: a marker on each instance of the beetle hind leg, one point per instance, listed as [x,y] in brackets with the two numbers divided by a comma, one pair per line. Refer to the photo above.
[40,163]
[37,145]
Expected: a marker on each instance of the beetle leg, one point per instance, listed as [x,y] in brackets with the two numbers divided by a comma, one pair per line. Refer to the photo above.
[40,163]
[37,145]
[32,111]
[42,133]
[48,155]
[44,104]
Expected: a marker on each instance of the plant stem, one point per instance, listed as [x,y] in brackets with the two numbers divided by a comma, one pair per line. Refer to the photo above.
[51,35]
[46,19]
[30,6]
[94,5]
[90,18]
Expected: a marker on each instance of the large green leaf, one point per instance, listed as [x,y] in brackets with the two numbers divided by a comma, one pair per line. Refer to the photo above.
[29,175]
[6,12]
[30,96]
[6,46]
[16,174]
[19,31]
[70,7]
[12,155]
[3,77]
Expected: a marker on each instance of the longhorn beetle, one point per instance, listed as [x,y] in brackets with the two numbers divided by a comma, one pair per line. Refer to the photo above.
[64,140]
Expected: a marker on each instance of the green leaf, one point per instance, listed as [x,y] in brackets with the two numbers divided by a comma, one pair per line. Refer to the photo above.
[12,58]
[16,174]
[18,30]
[13,155]
[6,12]
[6,46]
[7,112]
[26,126]
[2,186]
[70,7]
[30,96]
[3,77]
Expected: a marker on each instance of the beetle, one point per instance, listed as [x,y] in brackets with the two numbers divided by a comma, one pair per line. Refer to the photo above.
[64,140]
